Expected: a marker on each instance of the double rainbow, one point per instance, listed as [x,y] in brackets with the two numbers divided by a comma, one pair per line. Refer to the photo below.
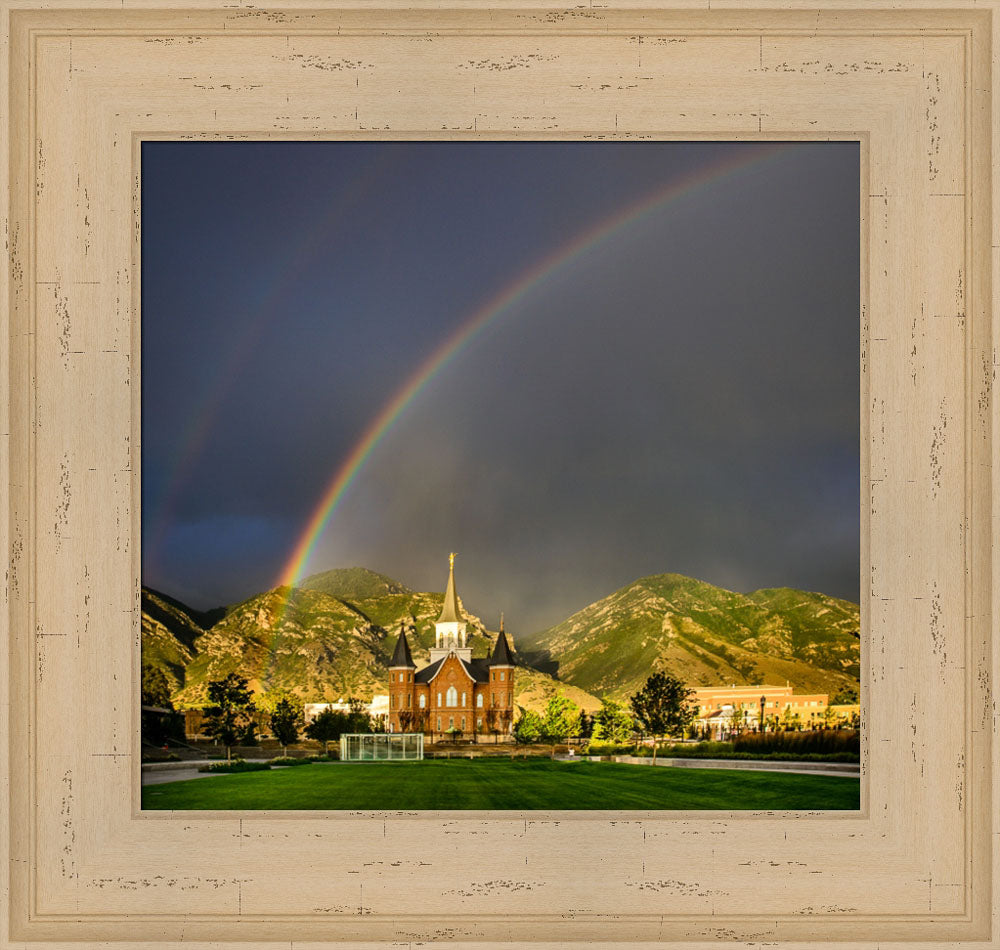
[490,311]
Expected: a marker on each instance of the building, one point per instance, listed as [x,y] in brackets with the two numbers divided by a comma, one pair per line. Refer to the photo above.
[455,692]
[723,710]
[378,708]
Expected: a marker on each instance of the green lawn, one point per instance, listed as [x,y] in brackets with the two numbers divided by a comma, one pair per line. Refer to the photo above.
[503,784]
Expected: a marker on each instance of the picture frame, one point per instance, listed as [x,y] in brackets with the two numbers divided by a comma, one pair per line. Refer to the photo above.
[84,86]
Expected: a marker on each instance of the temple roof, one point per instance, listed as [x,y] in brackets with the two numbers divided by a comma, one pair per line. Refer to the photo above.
[401,656]
[428,672]
[501,652]
[450,612]
[477,669]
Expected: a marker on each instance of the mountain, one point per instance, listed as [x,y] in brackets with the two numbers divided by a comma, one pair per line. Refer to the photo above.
[316,645]
[705,635]
[169,633]
[332,637]
[353,583]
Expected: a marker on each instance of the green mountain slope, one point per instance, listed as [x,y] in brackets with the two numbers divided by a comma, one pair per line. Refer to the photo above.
[169,632]
[319,647]
[315,647]
[353,583]
[707,636]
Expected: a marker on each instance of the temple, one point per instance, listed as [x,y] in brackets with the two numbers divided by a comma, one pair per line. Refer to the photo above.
[455,692]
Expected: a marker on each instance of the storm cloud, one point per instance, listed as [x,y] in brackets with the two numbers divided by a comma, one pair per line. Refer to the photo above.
[682,396]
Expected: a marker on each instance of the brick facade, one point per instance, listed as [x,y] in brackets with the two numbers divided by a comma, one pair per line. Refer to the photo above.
[454,692]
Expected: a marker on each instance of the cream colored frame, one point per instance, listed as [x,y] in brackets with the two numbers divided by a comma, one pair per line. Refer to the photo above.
[914,85]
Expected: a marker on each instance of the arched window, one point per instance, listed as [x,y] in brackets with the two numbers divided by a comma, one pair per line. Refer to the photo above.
[422,701]
[479,701]
[439,700]
[463,699]
[502,674]
[451,697]
[463,724]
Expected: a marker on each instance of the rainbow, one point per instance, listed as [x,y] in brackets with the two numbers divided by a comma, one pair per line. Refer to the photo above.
[499,304]
[200,425]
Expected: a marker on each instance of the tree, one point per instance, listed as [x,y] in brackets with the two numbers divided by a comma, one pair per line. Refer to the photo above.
[358,718]
[230,716]
[504,718]
[663,706]
[327,726]
[612,722]
[528,728]
[561,720]
[158,727]
[285,720]
[736,719]
[155,688]
[847,696]
[492,722]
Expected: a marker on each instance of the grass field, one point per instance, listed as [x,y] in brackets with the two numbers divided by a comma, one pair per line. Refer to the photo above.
[504,784]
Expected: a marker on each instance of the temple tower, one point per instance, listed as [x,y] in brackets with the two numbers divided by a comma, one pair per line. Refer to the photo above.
[450,629]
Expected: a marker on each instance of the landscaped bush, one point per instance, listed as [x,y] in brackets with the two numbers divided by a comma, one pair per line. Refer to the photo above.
[707,749]
[823,742]
[291,760]
[237,765]
[161,757]
[609,748]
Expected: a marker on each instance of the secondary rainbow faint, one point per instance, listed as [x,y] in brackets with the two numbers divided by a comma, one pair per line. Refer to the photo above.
[472,326]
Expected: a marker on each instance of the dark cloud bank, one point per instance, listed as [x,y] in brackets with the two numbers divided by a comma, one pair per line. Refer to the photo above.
[683,398]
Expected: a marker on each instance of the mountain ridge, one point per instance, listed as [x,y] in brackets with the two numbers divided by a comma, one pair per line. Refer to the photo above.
[331,637]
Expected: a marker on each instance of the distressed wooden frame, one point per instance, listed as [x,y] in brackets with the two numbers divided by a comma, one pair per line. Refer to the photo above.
[85,83]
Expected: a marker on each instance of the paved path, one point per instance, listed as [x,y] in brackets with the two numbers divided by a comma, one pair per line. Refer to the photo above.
[175,775]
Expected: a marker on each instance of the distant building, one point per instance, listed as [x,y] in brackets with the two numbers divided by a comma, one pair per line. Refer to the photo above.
[456,692]
[723,710]
[378,708]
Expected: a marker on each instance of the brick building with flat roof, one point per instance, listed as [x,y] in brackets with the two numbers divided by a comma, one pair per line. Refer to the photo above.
[722,709]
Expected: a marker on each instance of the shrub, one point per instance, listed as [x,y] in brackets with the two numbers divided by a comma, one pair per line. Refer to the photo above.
[291,760]
[821,742]
[608,748]
[237,765]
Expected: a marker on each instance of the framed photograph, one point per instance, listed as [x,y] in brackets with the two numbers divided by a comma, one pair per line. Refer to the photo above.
[149,165]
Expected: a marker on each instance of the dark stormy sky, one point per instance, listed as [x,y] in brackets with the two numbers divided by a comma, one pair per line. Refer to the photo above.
[682,397]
